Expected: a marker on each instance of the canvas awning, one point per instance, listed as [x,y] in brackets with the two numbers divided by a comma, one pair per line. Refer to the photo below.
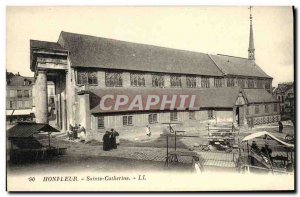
[18,112]
[27,129]
[262,133]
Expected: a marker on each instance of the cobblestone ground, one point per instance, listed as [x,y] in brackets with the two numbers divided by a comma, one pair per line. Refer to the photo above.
[154,148]
[219,159]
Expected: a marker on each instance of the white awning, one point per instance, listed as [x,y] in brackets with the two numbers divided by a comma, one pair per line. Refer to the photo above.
[258,134]
[17,112]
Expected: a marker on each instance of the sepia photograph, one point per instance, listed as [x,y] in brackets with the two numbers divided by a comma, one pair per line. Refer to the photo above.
[165,99]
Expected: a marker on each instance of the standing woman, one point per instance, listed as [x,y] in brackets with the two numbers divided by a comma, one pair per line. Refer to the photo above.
[106,141]
[82,134]
[113,140]
[280,126]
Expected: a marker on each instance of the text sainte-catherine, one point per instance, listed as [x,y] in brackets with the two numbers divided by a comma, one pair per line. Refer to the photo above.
[92,178]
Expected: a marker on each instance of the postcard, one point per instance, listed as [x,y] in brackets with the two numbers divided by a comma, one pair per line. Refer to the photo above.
[145,99]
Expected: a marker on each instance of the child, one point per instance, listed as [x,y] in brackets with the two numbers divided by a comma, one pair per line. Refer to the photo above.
[70,134]
[148,132]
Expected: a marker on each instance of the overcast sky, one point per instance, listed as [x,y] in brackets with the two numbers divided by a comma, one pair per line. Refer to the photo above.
[213,30]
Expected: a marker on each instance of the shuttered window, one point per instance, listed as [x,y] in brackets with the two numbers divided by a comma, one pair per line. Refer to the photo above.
[256,109]
[152,118]
[191,82]
[26,93]
[210,114]
[230,82]
[113,79]
[175,81]
[218,82]
[250,83]
[101,122]
[204,82]
[241,83]
[87,77]
[266,108]
[137,79]
[19,93]
[127,120]
[173,116]
[158,80]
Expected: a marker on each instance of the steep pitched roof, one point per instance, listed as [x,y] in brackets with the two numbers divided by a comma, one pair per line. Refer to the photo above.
[91,51]
[283,87]
[238,66]
[224,97]
[45,45]
[259,96]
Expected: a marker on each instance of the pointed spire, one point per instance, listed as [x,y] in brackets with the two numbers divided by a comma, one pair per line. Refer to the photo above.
[251,49]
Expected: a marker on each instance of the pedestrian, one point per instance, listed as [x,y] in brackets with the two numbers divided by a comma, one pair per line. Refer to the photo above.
[70,134]
[75,129]
[196,165]
[106,141]
[82,134]
[280,126]
[254,147]
[148,131]
[113,138]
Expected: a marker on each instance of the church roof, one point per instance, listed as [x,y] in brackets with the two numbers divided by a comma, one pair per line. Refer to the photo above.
[224,97]
[96,52]
[205,98]
[238,66]
[45,45]
[91,51]
[259,96]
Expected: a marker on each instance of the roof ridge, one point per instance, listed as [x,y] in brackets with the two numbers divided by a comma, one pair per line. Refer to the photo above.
[42,41]
[217,64]
[136,43]
[232,56]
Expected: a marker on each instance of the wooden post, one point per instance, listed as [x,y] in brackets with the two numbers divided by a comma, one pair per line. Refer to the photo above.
[248,151]
[175,140]
[208,129]
[292,159]
[167,151]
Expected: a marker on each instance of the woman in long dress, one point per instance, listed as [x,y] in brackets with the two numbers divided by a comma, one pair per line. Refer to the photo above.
[113,138]
[82,134]
[106,141]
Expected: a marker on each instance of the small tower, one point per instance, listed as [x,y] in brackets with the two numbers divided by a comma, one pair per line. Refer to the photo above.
[251,50]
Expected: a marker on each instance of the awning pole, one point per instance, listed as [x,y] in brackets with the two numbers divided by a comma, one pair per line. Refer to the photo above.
[175,140]
[167,151]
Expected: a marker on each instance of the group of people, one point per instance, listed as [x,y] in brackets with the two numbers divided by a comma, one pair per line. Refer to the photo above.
[76,132]
[110,140]
[265,150]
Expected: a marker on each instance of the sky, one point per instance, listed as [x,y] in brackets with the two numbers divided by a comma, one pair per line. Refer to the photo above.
[213,30]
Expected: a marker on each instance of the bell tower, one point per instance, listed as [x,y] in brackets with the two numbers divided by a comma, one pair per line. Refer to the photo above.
[251,49]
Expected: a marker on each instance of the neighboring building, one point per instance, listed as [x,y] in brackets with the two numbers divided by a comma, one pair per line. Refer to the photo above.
[84,68]
[18,97]
[285,94]
[262,107]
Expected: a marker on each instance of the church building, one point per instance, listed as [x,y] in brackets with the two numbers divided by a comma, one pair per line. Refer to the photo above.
[84,68]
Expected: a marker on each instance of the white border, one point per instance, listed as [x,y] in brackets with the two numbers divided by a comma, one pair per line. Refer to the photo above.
[5,3]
